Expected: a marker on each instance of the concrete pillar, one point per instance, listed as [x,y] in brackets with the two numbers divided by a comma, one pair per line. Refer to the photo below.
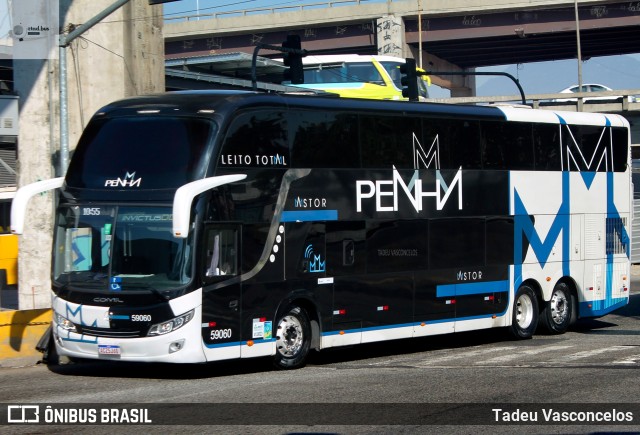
[459,85]
[390,33]
[35,85]
[120,57]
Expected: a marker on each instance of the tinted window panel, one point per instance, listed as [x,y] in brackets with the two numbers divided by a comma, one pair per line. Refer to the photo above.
[507,145]
[587,147]
[389,140]
[546,145]
[256,139]
[620,141]
[458,142]
[456,242]
[499,240]
[325,140]
[396,246]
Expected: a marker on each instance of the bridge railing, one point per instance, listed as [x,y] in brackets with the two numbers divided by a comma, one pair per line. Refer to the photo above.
[267,10]
[607,101]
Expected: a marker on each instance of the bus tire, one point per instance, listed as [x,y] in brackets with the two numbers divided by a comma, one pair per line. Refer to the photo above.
[524,319]
[557,314]
[293,338]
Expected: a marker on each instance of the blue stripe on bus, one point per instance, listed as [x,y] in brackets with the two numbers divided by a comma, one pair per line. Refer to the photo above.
[309,215]
[405,325]
[119,317]
[233,343]
[601,307]
[471,288]
[370,328]
[239,343]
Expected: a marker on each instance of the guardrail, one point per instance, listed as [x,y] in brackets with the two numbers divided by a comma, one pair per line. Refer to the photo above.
[271,10]
[608,101]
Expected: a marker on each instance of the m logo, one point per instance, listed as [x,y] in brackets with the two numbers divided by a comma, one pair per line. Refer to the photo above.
[129,180]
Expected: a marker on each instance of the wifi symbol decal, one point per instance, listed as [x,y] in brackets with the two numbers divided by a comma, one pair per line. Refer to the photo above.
[308,252]
[315,261]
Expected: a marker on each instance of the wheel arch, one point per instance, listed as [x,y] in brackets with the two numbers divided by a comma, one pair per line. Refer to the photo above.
[536,287]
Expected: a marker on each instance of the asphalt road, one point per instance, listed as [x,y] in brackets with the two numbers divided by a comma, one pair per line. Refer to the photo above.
[445,384]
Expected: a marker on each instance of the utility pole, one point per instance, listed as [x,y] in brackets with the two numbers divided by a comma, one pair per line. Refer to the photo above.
[419,34]
[575,5]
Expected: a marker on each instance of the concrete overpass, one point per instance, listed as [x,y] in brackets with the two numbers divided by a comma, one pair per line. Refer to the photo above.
[456,35]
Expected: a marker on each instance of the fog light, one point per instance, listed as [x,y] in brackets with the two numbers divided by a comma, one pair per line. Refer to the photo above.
[176,346]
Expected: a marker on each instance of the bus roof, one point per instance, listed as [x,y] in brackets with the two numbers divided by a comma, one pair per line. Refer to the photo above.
[208,102]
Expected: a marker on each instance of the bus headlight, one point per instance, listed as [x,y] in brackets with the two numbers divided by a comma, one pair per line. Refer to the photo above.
[171,325]
[65,323]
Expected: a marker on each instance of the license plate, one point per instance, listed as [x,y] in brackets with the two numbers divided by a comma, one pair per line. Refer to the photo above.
[109,349]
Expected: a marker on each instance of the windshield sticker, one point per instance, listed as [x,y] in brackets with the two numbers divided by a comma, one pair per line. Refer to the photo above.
[115,284]
[160,217]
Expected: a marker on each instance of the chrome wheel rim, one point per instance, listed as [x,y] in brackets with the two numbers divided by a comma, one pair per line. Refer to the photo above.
[290,336]
[559,305]
[524,311]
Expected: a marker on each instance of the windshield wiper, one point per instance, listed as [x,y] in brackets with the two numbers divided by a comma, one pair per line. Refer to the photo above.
[153,290]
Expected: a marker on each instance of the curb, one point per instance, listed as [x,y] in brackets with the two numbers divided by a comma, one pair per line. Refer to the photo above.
[20,331]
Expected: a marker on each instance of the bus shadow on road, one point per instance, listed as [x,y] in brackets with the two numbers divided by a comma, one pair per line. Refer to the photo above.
[126,369]
[606,325]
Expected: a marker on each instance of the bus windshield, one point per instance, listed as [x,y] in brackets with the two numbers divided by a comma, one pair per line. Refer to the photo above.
[119,248]
[146,152]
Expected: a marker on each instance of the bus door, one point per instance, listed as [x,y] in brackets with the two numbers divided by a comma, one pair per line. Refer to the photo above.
[221,291]
[346,264]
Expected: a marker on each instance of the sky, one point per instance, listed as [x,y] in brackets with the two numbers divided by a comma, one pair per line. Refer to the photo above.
[616,72]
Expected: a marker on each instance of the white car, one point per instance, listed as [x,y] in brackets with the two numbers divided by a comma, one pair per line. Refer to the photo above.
[591,87]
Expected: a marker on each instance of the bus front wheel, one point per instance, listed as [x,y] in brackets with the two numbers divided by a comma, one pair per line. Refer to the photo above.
[557,313]
[293,338]
[524,320]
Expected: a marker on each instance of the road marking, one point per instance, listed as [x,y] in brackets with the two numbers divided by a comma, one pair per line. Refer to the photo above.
[522,354]
[634,359]
[587,354]
[463,355]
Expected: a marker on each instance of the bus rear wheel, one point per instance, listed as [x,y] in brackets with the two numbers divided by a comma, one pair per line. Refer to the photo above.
[524,319]
[557,313]
[293,338]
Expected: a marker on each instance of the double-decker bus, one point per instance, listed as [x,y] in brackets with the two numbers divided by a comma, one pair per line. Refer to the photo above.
[359,76]
[204,226]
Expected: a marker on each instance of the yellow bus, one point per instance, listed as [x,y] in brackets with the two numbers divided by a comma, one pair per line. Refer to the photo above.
[8,244]
[358,76]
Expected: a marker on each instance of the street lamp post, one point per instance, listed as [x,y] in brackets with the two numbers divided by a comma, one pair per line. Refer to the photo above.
[575,5]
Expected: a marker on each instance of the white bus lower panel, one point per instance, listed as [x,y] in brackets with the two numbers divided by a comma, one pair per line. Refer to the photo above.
[182,345]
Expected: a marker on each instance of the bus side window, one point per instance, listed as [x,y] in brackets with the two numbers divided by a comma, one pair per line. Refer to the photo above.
[221,257]
[546,142]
